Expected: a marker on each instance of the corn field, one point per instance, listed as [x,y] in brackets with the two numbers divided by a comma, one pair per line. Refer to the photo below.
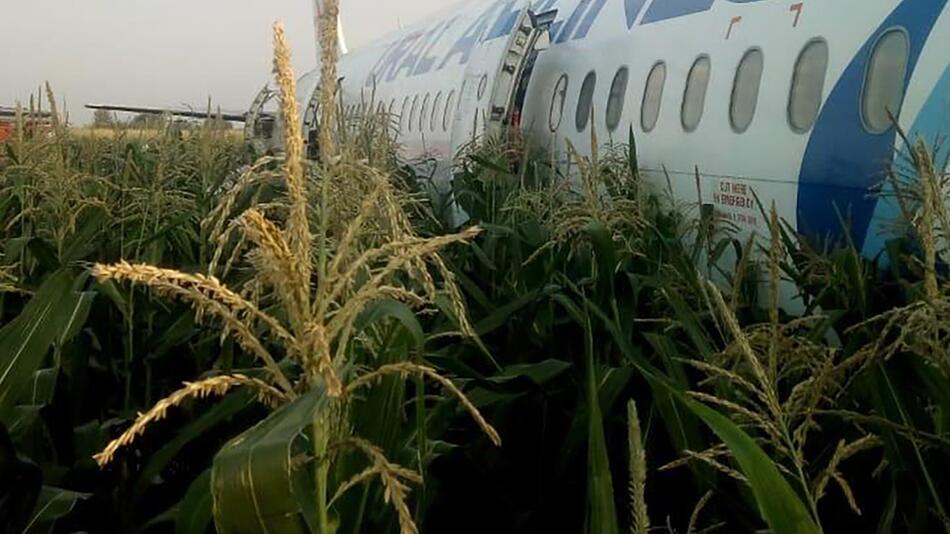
[197,339]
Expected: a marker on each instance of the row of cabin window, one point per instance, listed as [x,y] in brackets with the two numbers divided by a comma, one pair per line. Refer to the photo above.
[421,118]
[883,90]
[439,114]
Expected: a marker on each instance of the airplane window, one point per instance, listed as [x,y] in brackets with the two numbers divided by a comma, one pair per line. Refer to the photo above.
[404,113]
[884,84]
[618,92]
[584,101]
[557,103]
[414,112]
[424,113]
[482,86]
[694,98]
[808,86]
[652,97]
[436,108]
[745,90]
[449,108]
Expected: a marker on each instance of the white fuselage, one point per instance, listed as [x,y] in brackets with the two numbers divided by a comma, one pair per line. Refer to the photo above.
[813,150]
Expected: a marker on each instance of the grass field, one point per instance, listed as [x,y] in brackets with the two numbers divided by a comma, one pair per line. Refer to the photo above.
[232,135]
[195,339]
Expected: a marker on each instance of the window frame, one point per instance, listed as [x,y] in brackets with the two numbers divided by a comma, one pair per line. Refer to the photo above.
[404,113]
[791,88]
[735,86]
[436,105]
[424,112]
[659,100]
[449,111]
[413,111]
[686,91]
[482,87]
[552,125]
[591,78]
[863,108]
[622,101]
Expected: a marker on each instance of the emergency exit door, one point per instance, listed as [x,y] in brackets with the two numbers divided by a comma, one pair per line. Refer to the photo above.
[492,76]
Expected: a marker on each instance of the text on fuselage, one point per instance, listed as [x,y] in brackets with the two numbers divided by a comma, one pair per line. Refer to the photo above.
[413,54]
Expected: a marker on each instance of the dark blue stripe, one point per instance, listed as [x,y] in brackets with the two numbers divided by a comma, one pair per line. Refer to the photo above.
[670,9]
[633,8]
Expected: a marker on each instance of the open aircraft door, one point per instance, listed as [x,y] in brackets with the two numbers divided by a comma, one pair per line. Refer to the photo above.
[311,124]
[259,127]
[494,73]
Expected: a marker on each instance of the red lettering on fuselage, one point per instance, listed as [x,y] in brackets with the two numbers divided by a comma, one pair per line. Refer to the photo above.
[732,24]
[797,9]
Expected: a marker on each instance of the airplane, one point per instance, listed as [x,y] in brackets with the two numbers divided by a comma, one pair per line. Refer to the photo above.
[734,102]
[788,99]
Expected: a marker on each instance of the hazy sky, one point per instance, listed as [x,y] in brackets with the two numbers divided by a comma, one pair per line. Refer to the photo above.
[168,52]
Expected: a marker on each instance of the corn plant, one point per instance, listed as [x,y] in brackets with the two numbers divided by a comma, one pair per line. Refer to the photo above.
[314,279]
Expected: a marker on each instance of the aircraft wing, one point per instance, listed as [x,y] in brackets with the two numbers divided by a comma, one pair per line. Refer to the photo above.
[177,112]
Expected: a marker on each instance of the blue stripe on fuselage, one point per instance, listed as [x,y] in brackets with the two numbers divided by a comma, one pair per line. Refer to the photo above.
[671,9]
[931,124]
[842,160]
[632,9]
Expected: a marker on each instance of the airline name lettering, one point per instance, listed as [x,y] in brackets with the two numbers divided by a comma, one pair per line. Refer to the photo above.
[412,55]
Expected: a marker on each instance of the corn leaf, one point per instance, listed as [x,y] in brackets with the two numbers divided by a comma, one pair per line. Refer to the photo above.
[41,389]
[778,503]
[398,311]
[535,373]
[53,504]
[54,312]
[682,426]
[601,511]
[256,481]
[605,255]
[195,509]
[502,314]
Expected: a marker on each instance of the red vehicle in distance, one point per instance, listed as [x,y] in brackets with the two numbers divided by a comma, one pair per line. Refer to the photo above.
[8,118]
